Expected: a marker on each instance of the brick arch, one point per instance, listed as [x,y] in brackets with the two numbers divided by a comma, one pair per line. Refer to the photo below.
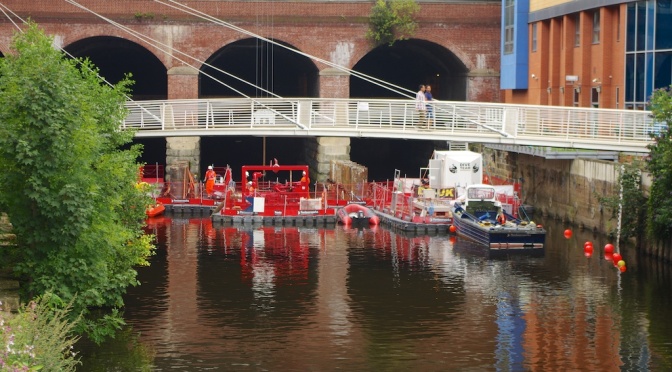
[115,57]
[408,63]
[264,64]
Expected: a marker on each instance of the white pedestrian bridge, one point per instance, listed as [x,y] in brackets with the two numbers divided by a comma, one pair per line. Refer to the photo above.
[474,122]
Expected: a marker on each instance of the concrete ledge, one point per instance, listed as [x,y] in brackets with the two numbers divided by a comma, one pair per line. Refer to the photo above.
[9,295]
[316,221]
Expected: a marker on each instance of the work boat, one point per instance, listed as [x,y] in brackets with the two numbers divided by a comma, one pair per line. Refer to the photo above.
[275,194]
[480,217]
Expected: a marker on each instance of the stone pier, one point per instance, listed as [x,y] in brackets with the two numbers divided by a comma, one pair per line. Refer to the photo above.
[320,151]
[181,149]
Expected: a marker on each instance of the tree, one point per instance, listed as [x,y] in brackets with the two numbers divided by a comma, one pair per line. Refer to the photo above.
[67,181]
[659,165]
[392,20]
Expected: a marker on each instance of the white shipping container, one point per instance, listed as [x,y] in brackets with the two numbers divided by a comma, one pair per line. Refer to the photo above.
[455,169]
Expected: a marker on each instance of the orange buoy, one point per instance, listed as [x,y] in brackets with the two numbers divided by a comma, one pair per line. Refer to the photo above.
[452,229]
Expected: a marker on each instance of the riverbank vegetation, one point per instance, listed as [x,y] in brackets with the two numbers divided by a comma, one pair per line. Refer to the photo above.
[67,184]
[38,337]
[630,204]
[659,164]
[651,217]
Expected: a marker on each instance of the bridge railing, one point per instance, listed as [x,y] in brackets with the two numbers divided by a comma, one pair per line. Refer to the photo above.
[476,119]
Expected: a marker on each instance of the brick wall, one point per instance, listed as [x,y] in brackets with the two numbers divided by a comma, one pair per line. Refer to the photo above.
[557,56]
[333,31]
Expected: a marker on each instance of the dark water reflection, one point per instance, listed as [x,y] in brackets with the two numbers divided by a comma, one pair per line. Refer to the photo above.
[323,299]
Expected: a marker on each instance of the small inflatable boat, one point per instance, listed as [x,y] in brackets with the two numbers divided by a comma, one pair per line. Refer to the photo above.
[357,215]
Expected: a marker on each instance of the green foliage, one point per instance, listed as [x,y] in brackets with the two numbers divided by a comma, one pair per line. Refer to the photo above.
[124,352]
[66,182]
[140,16]
[38,338]
[392,20]
[633,202]
[659,165]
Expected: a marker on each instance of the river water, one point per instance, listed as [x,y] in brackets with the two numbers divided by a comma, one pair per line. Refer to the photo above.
[221,298]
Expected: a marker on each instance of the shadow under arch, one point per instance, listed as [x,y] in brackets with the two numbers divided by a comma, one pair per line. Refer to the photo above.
[409,63]
[116,56]
[262,64]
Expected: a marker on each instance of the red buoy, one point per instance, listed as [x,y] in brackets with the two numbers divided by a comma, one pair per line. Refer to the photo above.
[608,248]
[452,229]
[616,257]
[568,234]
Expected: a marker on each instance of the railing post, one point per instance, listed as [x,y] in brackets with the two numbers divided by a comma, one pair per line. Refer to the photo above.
[163,116]
[357,117]
[208,115]
[251,114]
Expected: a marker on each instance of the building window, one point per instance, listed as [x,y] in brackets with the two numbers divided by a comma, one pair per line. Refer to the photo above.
[618,25]
[509,13]
[534,37]
[663,24]
[595,97]
[618,97]
[577,29]
[596,27]
[575,100]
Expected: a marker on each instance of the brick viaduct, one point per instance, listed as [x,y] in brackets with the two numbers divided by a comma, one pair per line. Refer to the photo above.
[455,48]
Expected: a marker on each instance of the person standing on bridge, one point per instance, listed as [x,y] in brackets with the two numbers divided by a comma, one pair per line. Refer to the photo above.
[421,106]
[210,176]
[430,108]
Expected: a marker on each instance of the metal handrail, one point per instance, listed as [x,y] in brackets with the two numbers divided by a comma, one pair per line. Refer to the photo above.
[555,126]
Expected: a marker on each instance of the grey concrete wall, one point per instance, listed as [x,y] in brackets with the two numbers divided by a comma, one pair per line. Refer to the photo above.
[567,190]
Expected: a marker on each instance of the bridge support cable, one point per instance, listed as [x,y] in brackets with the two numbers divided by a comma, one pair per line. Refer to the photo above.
[623,130]
[3,8]
[157,44]
[404,92]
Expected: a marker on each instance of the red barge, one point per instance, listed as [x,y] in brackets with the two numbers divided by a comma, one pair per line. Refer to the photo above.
[283,195]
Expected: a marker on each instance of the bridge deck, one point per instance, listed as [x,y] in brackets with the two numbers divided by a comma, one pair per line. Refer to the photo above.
[554,126]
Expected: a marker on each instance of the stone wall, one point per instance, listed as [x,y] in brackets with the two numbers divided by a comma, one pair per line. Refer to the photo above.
[9,286]
[563,189]
[569,190]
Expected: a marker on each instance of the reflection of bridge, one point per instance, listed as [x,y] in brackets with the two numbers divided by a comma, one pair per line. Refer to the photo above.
[526,125]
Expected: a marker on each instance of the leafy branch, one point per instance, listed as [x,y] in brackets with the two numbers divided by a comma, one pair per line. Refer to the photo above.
[660,165]
[392,20]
